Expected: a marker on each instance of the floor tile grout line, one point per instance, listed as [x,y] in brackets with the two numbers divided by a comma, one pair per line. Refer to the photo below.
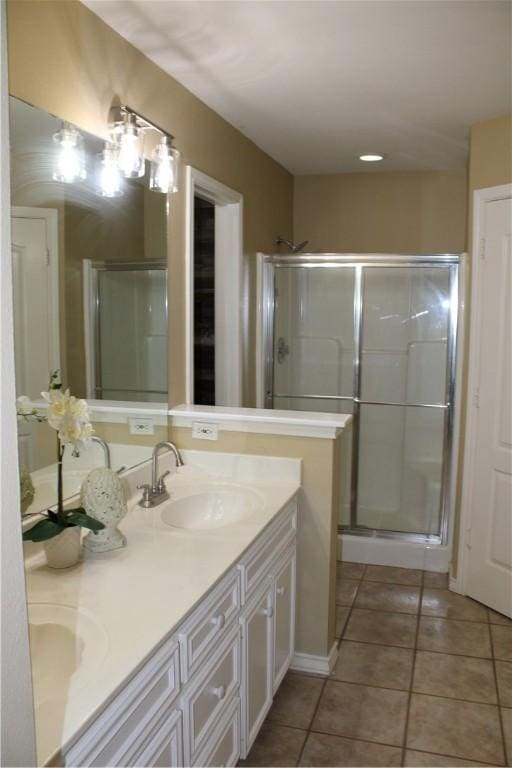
[442,754]
[411,679]
[329,677]
[507,757]
[420,612]
[397,746]
[308,731]
[350,609]
[423,650]
[356,738]
[419,693]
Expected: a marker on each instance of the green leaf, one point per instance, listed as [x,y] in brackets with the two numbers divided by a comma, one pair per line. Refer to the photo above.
[53,516]
[44,529]
[79,517]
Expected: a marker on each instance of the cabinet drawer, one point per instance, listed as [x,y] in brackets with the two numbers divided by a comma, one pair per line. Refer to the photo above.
[208,697]
[208,626]
[255,565]
[113,736]
[223,749]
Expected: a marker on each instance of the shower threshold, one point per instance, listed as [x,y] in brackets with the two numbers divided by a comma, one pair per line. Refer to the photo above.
[376,533]
[403,551]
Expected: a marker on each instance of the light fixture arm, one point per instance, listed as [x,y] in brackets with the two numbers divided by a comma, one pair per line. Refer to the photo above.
[116,117]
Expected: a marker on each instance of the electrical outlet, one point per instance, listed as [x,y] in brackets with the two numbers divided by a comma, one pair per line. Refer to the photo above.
[141,426]
[205,430]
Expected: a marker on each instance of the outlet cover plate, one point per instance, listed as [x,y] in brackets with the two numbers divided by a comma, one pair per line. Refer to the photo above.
[140,425]
[204,430]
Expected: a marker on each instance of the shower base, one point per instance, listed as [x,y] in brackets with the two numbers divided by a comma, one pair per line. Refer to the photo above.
[376,550]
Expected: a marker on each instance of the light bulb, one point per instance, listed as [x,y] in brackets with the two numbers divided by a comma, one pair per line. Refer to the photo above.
[70,157]
[372,158]
[131,154]
[164,168]
[111,180]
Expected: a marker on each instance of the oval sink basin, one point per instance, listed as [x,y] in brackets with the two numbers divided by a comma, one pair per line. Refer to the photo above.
[66,647]
[212,508]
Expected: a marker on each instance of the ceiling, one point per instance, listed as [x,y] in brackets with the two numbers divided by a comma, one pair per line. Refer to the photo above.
[317,83]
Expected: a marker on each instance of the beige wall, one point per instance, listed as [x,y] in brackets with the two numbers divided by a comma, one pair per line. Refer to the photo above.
[65,60]
[316,541]
[490,154]
[386,212]
[490,164]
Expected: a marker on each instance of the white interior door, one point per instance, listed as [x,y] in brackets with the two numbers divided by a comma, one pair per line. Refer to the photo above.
[489,465]
[36,308]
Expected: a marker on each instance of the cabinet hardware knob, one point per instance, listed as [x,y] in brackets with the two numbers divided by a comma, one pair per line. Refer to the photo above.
[219,621]
[220,692]
[280,591]
[268,612]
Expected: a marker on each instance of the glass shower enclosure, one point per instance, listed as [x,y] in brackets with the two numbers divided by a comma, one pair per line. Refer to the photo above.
[126,330]
[373,336]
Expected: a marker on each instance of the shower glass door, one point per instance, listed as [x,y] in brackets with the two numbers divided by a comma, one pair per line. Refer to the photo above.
[403,398]
[130,339]
[313,356]
[374,337]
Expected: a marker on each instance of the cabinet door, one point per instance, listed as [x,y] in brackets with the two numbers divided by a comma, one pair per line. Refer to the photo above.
[257,632]
[284,617]
[165,747]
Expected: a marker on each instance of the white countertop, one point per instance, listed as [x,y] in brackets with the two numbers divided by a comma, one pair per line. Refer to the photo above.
[140,594]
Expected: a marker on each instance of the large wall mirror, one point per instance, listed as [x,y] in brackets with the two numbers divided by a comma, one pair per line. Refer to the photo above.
[90,277]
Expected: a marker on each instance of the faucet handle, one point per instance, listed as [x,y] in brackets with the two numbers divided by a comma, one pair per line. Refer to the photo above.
[161,485]
[146,491]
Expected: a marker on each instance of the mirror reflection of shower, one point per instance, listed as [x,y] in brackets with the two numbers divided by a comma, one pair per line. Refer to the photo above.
[293,248]
[125,313]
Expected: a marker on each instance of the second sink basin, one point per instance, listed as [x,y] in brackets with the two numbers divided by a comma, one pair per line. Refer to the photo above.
[211,508]
[66,645]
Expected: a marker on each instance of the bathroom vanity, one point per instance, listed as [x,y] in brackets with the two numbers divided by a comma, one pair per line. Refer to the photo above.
[178,657]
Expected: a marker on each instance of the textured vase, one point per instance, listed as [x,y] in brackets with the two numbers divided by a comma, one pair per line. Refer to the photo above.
[102,497]
[63,551]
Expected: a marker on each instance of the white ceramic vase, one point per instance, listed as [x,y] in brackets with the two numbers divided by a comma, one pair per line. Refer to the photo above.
[63,551]
[102,497]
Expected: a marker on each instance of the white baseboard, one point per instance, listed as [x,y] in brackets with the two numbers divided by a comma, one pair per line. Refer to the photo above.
[316,665]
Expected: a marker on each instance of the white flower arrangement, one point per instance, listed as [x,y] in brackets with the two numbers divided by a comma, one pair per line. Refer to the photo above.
[69,416]
[26,410]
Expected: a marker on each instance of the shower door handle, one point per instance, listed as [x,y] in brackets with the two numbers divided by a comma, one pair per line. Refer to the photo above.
[282,350]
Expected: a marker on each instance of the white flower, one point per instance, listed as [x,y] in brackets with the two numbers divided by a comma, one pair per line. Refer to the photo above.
[69,416]
[24,406]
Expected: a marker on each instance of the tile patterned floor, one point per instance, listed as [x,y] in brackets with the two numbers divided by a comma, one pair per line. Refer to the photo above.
[423,678]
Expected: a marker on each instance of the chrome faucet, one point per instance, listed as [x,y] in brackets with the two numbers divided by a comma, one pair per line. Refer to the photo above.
[106,449]
[156,493]
[104,445]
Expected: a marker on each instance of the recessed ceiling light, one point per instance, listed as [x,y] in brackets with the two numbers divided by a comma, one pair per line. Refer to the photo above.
[371,158]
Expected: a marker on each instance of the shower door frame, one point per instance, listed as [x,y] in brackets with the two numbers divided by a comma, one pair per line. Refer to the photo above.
[92,316]
[358,262]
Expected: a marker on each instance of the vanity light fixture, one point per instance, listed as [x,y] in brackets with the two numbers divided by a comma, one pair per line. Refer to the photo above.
[110,176]
[127,131]
[131,148]
[372,158]
[70,156]
[164,167]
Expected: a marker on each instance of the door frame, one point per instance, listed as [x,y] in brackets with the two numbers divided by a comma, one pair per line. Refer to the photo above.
[51,218]
[230,315]
[480,198]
